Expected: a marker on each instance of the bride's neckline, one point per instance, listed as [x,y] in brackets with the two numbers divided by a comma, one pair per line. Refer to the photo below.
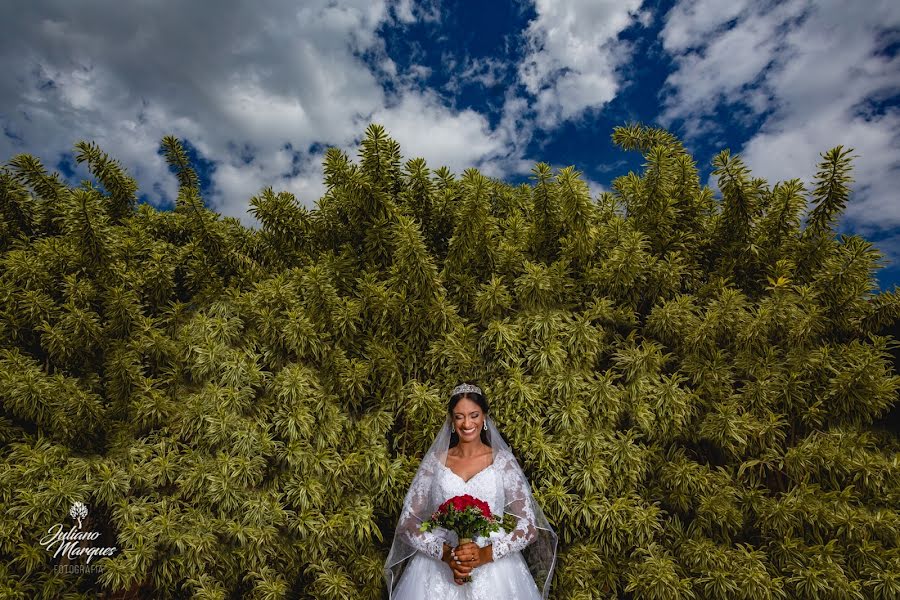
[465,481]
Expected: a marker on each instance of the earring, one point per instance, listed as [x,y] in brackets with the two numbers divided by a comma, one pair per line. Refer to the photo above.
[485,425]
[452,429]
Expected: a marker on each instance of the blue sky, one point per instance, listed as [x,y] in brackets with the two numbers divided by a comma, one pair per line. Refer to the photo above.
[260,93]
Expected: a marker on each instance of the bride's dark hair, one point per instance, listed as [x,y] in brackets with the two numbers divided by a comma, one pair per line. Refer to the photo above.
[480,400]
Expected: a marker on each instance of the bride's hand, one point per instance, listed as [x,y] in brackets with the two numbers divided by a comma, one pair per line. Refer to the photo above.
[459,571]
[471,555]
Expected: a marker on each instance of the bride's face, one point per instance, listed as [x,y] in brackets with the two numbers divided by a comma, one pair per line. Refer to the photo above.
[468,419]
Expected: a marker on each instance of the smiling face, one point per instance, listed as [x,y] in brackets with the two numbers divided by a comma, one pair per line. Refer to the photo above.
[468,419]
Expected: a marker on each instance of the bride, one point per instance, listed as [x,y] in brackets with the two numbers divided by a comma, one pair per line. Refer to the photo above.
[470,457]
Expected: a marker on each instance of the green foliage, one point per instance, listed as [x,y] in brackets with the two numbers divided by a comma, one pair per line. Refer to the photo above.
[693,386]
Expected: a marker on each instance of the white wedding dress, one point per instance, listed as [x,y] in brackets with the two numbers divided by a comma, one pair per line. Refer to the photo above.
[506,578]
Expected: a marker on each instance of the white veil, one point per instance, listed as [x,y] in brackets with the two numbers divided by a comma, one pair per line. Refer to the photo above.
[532,531]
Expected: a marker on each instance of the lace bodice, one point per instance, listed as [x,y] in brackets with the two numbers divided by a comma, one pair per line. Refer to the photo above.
[437,483]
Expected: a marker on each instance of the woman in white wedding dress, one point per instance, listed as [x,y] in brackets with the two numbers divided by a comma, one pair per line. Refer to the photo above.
[470,457]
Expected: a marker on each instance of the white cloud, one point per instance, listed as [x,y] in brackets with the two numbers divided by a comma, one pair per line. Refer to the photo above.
[244,181]
[254,90]
[243,85]
[809,71]
[404,11]
[419,72]
[573,54]
[722,64]
[689,23]
[596,188]
[407,11]
[424,127]
[485,71]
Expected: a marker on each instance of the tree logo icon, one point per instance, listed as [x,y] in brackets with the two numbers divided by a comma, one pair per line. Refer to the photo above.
[78,511]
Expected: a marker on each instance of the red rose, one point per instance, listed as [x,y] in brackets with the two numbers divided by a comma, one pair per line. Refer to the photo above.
[461,503]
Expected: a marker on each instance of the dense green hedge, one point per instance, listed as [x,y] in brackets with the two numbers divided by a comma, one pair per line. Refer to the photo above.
[690,383]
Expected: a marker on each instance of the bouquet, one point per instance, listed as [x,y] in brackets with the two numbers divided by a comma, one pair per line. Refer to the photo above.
[468,517]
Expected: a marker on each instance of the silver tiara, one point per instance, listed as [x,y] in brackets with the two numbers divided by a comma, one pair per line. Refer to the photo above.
[466,388]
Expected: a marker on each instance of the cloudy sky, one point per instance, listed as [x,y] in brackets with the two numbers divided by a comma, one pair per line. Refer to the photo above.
[259,90]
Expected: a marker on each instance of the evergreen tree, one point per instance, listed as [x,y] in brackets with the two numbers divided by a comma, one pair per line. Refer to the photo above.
[693,386]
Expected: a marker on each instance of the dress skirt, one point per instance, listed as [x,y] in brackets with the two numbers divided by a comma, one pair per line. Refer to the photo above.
[427,578]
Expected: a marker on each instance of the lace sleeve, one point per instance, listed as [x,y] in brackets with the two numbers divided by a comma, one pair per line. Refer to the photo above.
[416,503]
[515,488]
